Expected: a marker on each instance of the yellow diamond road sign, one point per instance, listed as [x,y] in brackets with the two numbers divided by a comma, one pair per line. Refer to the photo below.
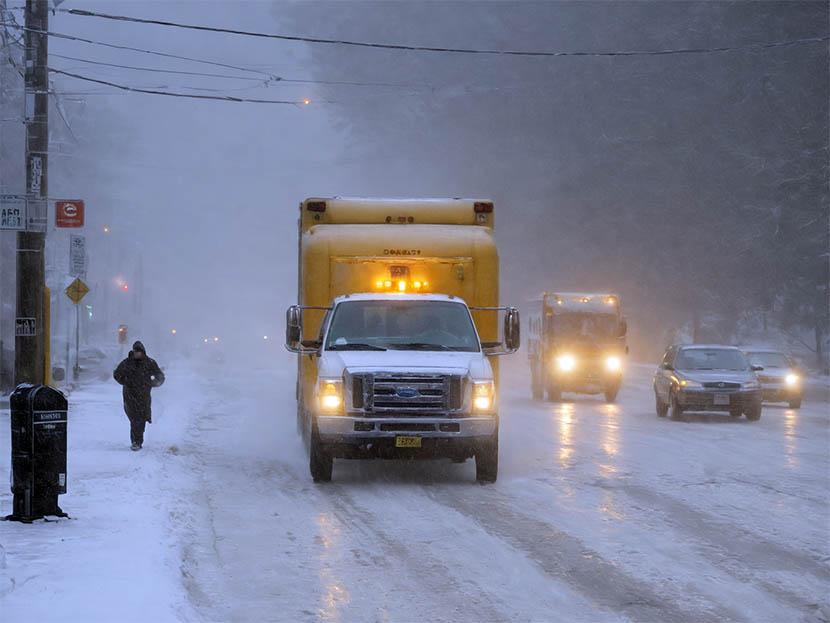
[76,291]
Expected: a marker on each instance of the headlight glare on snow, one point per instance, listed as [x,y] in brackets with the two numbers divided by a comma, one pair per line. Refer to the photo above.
[791,380]
[566,363]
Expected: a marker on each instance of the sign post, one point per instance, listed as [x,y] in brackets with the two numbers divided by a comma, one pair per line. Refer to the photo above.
[76,291]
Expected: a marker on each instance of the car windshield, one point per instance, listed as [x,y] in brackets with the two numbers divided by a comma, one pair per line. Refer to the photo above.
[769,360]
[402,325]
[710,359]
[585,324]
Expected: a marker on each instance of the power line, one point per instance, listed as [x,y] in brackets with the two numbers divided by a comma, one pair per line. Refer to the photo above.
[414,48]
[132,49]
[222,98]
[273,79]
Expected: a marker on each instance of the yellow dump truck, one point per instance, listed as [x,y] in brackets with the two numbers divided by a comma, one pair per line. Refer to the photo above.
[396,328]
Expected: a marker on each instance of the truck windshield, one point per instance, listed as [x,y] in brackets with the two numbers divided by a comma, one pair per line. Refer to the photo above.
[585,324]
[710,359]
[402,325]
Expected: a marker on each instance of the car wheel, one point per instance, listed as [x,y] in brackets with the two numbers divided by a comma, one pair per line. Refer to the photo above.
[487,460]
[753,413]
[320,461]
[796,403]
[676,409]
[662,407]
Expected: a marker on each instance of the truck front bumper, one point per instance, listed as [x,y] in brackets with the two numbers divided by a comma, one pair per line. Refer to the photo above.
[360,437]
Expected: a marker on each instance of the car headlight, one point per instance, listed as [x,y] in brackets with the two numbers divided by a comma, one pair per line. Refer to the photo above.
[752,385]
[613,363]
[483,394]
[566,363]
[687,384]
[330,395]
[791,380]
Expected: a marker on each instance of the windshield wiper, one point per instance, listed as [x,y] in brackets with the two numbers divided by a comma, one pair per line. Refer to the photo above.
[420,346]
[355,346]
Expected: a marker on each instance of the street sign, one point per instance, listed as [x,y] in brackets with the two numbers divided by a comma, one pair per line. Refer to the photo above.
[69,213]
[12,212]
[77,255]
[25,327]
[76,291]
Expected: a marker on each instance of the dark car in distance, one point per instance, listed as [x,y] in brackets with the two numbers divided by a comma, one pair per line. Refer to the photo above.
[713,377]
[781,378]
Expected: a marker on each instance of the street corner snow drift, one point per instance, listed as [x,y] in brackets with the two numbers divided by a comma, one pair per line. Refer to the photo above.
[576,344]
[397,330]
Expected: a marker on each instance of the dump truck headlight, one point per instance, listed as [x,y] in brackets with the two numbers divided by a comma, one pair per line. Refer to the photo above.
[483,394]
[613,363]
[566,363]
[330,395]
[791,380]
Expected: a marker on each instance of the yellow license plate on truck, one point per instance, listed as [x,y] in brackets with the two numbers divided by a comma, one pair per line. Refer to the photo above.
[407,442]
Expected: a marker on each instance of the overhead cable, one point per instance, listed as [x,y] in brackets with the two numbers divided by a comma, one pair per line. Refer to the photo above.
[222,98]
[132,49]
[418,48]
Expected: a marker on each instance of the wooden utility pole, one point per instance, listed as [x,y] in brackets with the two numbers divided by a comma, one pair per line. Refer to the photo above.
[30,350]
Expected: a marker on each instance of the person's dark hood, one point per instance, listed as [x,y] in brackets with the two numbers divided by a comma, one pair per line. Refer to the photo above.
[139,346]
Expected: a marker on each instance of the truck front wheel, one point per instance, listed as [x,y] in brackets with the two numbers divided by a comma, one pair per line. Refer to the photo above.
[487,460]
[320,461]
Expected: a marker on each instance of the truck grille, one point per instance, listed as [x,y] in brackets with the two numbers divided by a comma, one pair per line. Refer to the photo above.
[393,394]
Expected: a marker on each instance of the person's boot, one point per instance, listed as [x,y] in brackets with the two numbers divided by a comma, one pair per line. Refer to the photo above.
[134,447]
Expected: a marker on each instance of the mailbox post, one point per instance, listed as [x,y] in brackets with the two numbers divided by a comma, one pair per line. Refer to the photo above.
[38,422]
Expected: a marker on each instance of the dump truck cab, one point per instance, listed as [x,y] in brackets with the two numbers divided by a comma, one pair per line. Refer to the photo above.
[397,331]
[576,343]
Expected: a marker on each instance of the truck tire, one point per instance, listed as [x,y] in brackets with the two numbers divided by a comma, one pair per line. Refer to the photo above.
[487,460]
[320,462]
[611,393]
[536,384]
[753,413]
[795,403]
[554,393]
[662,407]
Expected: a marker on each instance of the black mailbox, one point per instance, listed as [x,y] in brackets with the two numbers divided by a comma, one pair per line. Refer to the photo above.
[38,419]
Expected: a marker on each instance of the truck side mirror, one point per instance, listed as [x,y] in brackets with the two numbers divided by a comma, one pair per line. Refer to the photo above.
[293,328]
[622,329]
[512,330]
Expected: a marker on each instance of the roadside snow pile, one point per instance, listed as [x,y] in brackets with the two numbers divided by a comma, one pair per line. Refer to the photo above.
[119,556]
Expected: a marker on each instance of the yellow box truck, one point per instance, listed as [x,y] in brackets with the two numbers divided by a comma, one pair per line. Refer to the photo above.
[396,328]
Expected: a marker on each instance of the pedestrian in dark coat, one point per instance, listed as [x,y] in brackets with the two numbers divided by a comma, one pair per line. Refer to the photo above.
[138,374]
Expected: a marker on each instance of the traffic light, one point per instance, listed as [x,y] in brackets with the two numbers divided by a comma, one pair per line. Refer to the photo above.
[122,334]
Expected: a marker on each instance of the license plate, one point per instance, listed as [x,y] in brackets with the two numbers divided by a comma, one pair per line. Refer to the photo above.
[407,442]
[721,399]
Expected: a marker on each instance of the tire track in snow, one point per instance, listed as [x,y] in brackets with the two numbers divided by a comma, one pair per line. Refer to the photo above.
[568,559]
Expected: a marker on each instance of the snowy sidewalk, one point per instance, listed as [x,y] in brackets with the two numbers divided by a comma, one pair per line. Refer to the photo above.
[119,556]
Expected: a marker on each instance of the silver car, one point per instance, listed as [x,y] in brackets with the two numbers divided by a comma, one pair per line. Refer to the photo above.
[696,377]
[781,379]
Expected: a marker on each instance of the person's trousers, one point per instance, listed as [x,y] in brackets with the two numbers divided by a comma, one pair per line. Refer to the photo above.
[137,430]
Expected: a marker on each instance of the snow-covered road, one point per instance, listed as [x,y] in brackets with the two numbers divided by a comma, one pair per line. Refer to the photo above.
[601,513]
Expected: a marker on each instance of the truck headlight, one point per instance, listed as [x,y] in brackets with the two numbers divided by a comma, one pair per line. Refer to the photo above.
[483,394]
[613,363]
[330,395]
[566,363]
[791,380]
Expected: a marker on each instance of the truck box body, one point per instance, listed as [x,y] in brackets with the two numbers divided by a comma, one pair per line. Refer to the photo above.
[381,259]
